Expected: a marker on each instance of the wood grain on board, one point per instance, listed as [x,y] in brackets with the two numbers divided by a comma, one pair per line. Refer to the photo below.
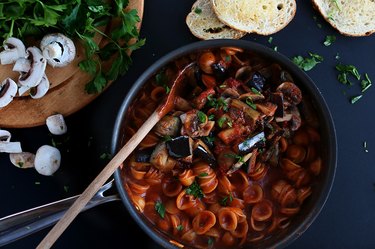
[66,95]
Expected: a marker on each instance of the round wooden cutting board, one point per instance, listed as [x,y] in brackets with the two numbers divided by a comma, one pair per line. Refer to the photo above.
[66,94]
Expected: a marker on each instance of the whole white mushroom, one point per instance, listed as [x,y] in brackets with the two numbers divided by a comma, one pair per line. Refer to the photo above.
[47,160]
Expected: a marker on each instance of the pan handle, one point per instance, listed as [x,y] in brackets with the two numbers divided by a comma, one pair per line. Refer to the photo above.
[22,224]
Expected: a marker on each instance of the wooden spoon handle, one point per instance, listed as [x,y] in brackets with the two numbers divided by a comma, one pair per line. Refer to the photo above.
[95,185]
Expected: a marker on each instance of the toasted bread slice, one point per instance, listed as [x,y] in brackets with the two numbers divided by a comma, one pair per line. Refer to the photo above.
[349,17]
[263,17]
[204,24]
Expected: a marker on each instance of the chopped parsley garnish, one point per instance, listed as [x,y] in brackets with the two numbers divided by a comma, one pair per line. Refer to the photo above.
[337,57]
[37,183]
[162,80]
[250,103]
[167,138]
[345,69]
[238,157]
[254,90]
[224,201]
[365,83]
[180,227]
[159,207]
[195,190]
[275,48]
[105,156]
[220,121]
[202,117]
[329,40]
[365,146]
[270,39]
[211,117]
[217,103]
[307,63]
[198,10]
[354,99]
[66,188]
[210,241]
[20,164]
[203,174]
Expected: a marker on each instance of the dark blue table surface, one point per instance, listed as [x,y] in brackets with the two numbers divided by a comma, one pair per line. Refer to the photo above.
[346,221]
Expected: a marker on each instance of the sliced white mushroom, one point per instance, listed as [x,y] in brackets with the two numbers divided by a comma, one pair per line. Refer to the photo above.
[47,160]
[8,89]
[10,147]
[5,136]
[22,160]
[56,124]
[41,89]
[37,68]
[13,49]
[58,49]
[22,65]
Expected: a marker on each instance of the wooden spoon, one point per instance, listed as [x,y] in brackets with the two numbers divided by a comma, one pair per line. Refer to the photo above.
[120,157]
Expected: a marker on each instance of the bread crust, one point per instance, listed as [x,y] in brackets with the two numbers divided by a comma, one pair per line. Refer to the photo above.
[337,27]
[249,25]
[205,25]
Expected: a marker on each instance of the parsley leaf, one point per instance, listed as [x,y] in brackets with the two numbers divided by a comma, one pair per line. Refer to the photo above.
[365,83]
[329,40]
[354,99]
[307,63]
[195,190]
[159,207]
[202,117]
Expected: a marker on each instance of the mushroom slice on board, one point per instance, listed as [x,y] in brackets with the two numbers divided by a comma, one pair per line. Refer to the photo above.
[37,68]
[10,147]
[22,160]
[22,65]
[5,136]
[13,49]
[8,89]
[41,89]
[58,49]
[56,124]
[47,160]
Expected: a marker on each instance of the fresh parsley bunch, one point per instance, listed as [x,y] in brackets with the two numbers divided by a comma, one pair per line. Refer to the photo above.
[81,20]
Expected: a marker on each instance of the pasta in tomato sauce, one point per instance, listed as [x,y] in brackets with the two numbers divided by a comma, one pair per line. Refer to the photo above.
[234,161]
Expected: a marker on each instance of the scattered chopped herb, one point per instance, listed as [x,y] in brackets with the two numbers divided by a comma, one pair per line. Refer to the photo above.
[28,227]
[228,58]
[217,103]
[365,83]
[337,57]
[348,69]
[329,40]
[202,117]
[195,190]
[254,90]
[203,174]
[20,164]
[162,80]
[330,15]
[159,207]
[319,25]
[365,146]
[180,227]
[238,157]
[224,201]
[66,188]
[307,63]
[167,138]
[105,156]
[270,39]
[223,86]
[354,99]
[211,117]
[230,123]
[210,139]
[250,103]
[198,10]
[210,241]
[220,121]
[37,183]
[275,48]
